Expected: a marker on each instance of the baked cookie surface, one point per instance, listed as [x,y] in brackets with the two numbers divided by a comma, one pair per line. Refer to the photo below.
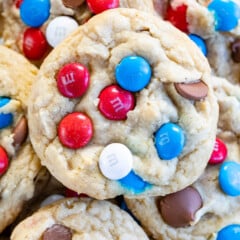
[35,37]
[104,134]
[214,27]
[209,208]
[19,164]
[79,219]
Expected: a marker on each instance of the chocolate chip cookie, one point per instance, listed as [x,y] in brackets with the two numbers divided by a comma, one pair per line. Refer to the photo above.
[19,166]
[209,208]
[33,28]
[214,27]
[79,219]
[124,106]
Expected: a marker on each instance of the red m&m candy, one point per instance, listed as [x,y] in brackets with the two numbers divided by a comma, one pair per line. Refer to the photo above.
[3,161]
[115,102]
[98,6]
[18,3]
[73,80]
[34,44]
[70,193]
[178,17]
[219,153]
[75,130]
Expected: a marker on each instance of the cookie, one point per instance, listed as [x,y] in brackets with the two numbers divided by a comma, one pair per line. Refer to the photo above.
[20,168]
[209,208]
[52,191]
[1,21]
[34,35]
[213,26]
[82,219]
[143,113]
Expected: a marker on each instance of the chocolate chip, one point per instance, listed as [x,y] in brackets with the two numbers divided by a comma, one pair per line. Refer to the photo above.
[235,48]
[178,209]
[57,232]
[72,3]
[192,91]
[160,6]
[20,132]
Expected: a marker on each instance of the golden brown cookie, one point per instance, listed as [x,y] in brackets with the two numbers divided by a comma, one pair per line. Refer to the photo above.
[79,219]
[210,207]
[104,134]
[214,27]
[33,28]
[20,167]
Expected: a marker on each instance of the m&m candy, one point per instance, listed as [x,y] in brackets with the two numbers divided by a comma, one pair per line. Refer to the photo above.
[18,3]
[230,232]
[134,183]
[226,14]
[75,130]
[178,16]
[115,161]
[98,6]
[115,102]
[219,153]
[35,44]
[229,178]
[169,141]
[3,161]
[199,42]
[133,73]
[35,13]
[6,119]
[59,28]
[73,80]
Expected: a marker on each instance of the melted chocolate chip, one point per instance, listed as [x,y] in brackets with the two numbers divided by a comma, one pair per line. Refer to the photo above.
[160,6]
[20,132]
[235,48]
[57,232]
[72,3]
[178,209]
[192,91]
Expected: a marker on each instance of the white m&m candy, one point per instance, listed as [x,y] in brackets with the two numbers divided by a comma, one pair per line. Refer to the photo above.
[59,28]
[115,161]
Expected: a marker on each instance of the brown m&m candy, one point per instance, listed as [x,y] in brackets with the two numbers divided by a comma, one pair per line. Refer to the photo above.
[178,209]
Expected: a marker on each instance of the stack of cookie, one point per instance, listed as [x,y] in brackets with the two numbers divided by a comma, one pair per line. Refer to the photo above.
[123,104]
[210,207]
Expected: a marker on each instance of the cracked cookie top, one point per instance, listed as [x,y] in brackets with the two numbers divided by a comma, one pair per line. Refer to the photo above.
[34,28]
[19,165]
[124,106]
[213,26]
[209,208]
[79,218]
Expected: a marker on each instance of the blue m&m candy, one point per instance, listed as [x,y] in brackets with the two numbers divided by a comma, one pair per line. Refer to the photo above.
[6,119]
[230,232]
[229,178]
[226,14]
[35,13]
[169,141]
[133,73]
[199,42]
[133,183]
